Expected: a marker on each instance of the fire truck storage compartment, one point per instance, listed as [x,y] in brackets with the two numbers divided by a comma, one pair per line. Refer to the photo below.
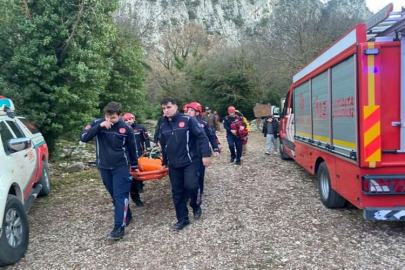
[330,98]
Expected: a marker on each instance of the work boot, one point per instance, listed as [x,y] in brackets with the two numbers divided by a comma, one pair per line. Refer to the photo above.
[197,212]
[238,162]
[138,203]
[180,225]
[116,233]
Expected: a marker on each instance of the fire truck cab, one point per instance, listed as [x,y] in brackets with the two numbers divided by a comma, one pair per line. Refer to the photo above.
[344,118]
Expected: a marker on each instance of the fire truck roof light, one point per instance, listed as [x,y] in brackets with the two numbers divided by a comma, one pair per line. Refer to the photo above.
[374,51]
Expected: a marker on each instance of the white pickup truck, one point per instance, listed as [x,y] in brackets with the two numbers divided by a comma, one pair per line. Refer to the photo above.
[23,176]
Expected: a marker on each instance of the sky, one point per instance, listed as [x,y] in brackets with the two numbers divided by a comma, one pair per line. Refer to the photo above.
[376,5]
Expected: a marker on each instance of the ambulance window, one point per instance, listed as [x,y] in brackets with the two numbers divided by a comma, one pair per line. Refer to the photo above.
[5,136]
[31,127]
[15,129]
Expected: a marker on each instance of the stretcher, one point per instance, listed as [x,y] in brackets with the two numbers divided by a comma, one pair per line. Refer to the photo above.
[150,167]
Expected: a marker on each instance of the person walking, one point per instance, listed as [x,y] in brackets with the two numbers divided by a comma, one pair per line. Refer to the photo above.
[142,144]
[231,135]
[211,119]
[270,131]
[116,152]
[194,109]
[184,144]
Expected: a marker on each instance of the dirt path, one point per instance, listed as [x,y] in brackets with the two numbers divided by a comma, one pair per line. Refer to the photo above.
[264,214]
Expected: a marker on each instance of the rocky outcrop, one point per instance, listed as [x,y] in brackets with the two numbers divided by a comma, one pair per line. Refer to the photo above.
[233,19]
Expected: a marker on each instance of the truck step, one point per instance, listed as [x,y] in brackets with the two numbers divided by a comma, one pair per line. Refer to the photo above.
[30,200]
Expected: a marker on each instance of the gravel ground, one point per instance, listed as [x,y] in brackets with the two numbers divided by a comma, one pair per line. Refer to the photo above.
[264,214]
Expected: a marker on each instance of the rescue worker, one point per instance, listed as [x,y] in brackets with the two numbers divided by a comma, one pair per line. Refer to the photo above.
[270,131]
[231,135]
[194,109]
[183,143]
[142,144]
[211,119]
[116,152]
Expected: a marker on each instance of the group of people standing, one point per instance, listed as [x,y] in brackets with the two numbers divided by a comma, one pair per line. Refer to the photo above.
[186,141]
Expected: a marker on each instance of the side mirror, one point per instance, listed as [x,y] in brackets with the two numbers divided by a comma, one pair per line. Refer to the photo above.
[19,144]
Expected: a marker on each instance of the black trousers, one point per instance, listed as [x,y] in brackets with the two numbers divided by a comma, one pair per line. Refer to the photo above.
[185,185]
[136,184]
[234,142]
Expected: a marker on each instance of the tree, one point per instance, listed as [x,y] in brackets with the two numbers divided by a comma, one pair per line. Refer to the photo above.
[224,80]
[57,59]
[180,49]
[127,74]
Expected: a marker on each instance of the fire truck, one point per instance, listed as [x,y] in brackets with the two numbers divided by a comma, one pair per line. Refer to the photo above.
[343,118]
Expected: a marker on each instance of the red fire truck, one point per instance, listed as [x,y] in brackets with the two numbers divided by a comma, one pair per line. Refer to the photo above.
[344,118]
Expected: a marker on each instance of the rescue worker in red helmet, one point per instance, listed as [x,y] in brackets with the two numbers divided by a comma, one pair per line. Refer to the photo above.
[194,109]
[231,135]
[142,143]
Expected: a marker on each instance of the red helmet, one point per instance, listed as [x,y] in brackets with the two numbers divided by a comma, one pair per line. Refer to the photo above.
[231,109]
[127,116]
[185,107]
[196,106]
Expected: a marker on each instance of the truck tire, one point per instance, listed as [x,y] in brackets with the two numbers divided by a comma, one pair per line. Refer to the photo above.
[283,155]
[329,197]
[45,181]
[15,234]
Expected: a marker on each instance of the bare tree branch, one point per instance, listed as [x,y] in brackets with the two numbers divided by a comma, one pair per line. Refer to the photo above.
[69,40]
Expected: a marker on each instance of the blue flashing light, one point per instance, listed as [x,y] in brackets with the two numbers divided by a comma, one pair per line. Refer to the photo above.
[374,51]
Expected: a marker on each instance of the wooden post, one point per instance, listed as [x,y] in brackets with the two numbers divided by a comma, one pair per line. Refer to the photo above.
[258,123]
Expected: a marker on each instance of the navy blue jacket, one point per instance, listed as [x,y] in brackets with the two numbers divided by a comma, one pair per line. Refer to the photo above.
[141,137]
[183,141]
[116,147]
[210,134]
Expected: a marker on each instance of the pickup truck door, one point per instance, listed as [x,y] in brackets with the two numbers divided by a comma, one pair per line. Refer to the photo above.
[25,159]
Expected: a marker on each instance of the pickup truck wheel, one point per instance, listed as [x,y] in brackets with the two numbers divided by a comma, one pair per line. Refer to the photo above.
[283,155]
[329,197]
[45,181]
[15,234]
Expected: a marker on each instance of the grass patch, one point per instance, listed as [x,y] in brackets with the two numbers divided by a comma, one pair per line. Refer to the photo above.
[60,180]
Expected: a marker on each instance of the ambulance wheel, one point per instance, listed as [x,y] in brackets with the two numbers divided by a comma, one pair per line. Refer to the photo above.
[45,181]
[15,234]
[283,155]
[329,197]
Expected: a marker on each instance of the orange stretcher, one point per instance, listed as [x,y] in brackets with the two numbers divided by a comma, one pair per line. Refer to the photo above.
[149,169]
